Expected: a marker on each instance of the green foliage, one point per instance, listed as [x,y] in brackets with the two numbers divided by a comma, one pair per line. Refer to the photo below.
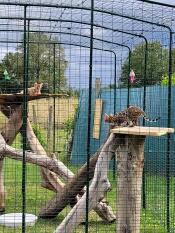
[40,135]
[73,92]
[6,75]
[8,84]
[41,61]
[157,64]
[111,86]
[165,80]
[69,130]
[69,125]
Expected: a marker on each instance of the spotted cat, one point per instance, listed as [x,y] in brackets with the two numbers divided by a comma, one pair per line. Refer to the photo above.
[128,117]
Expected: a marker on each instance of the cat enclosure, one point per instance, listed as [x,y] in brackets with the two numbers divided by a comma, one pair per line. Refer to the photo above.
[63,66]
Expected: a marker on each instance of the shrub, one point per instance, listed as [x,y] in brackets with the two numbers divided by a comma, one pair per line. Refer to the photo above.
[165,80]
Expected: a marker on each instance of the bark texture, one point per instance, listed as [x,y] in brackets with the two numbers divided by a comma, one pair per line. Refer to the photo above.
[71,189]
[99,186]
[130,162]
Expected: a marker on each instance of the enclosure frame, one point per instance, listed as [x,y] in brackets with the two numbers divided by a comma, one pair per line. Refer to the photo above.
[92,10]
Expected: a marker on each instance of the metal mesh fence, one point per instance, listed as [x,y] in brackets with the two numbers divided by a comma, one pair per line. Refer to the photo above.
[64,65]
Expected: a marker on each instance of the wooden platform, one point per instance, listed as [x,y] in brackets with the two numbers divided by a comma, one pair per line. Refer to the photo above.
[140,130]
[18,98]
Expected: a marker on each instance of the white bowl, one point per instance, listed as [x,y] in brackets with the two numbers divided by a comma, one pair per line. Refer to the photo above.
[15,219]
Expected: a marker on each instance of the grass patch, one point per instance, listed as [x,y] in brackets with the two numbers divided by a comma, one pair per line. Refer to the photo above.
[152,221]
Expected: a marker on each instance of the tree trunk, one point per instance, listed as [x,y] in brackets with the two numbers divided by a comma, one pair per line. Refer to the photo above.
[99,186]
[9,133]
[130,162]
[14,124]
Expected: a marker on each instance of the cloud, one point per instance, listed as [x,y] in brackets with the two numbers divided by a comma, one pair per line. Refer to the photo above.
[98,32]
[4,50]
[166,1]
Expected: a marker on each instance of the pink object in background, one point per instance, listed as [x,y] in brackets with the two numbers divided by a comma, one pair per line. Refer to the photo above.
[132,76]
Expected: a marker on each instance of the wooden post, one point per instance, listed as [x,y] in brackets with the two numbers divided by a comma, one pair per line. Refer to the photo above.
[97,118]
[98,110]
[97,87]
[130,161]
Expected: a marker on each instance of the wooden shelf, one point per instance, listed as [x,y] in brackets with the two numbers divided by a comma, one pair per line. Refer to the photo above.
[17,98]
[140,130]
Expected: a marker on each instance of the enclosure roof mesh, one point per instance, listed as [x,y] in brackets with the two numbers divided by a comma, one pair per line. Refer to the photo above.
[117,23]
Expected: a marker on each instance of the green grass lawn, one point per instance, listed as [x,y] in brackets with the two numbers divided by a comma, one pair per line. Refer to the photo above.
[153,219]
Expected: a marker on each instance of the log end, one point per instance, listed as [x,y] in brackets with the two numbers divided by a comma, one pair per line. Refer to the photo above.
[2,210]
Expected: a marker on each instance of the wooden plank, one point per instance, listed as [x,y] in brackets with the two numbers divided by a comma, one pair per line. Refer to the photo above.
[18,98]
[97,87]
[97,118]
[140,130]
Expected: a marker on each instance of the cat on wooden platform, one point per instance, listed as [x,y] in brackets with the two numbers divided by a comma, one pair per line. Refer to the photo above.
[128,117]
[35,89]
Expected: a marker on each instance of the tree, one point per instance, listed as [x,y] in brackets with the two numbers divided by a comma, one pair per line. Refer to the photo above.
[157,64]
[165,80]
[41,61]
[7,84]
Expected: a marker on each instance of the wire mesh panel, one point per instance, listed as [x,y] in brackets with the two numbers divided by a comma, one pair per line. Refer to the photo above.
[69,73]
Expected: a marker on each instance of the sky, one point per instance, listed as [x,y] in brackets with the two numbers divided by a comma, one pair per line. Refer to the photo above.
[78,66]
[172,2]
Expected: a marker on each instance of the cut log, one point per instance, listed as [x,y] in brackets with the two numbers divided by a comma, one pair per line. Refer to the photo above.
[130,160]
[104,211]
[99,186]
[46,162]
[71,189]
[9,133]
